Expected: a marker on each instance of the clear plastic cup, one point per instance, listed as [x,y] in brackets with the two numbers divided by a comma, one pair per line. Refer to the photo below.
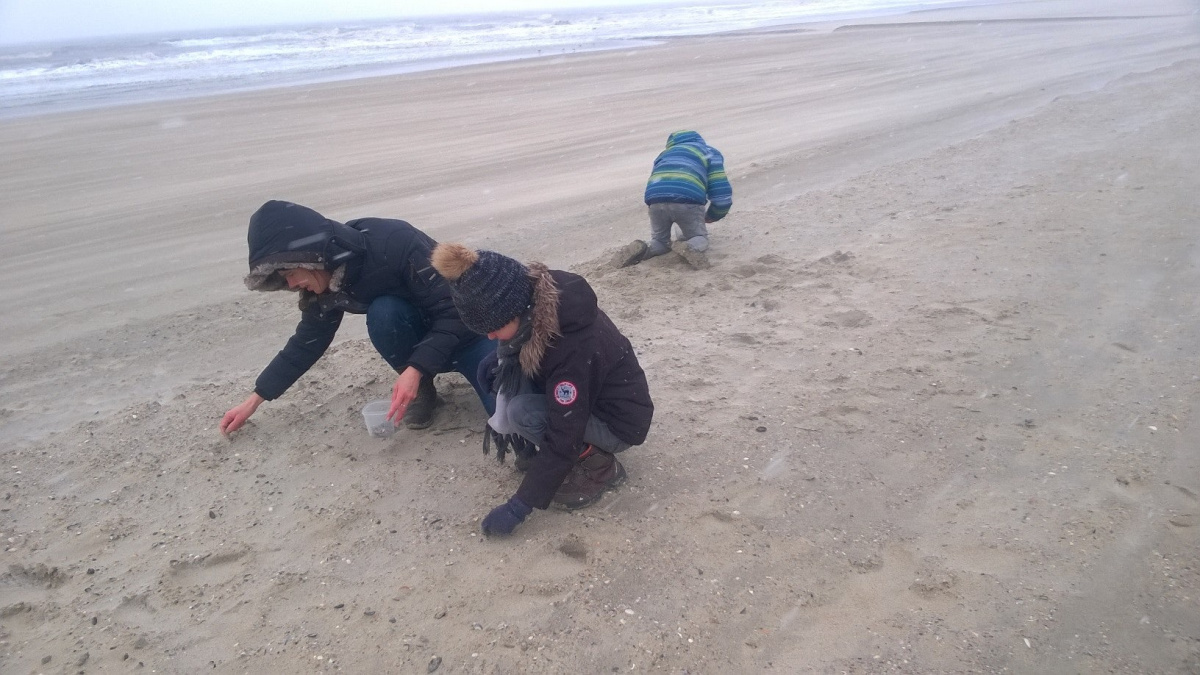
[375,415]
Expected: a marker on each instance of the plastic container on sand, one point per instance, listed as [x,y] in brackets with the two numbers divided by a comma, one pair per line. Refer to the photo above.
[375,415]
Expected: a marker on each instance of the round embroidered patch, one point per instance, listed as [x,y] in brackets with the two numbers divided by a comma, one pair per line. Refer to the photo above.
[565,393]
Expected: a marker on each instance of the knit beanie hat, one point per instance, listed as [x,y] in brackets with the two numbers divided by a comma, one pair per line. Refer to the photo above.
[489,289]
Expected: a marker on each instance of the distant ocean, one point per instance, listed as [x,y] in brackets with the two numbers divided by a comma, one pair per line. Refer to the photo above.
[43,78]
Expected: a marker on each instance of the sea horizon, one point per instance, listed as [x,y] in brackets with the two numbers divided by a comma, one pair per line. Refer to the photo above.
[52,77]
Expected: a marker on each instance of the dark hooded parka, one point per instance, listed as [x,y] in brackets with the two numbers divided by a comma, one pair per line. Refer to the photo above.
[585,366]
[368,258]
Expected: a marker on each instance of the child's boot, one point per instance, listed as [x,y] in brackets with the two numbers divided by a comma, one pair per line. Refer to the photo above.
[697,259]
[594,472]
[630,254]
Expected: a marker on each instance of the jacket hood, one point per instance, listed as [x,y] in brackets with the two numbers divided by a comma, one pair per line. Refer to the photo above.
[284,235]
[684,136]
[557,310]
[544,318]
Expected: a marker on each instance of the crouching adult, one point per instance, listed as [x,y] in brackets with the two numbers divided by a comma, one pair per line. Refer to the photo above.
[373,266]
[566,379]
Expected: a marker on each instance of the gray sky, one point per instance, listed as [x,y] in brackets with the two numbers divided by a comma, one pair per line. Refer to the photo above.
[52,20]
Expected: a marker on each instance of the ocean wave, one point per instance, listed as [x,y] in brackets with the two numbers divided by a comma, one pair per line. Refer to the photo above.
[250,58]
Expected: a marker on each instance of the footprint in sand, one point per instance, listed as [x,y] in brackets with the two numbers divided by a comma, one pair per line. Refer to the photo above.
[854,318]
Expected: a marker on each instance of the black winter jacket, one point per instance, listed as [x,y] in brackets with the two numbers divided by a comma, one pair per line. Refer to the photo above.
[586,367]
[378,257]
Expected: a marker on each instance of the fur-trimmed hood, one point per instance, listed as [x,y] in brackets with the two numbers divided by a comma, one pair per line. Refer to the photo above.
[543,316]
[563,303]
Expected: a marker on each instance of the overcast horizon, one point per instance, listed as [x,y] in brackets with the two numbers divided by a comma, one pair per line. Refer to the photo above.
[52,21]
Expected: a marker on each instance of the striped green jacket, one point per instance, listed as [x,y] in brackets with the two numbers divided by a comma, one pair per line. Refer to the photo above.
[689,171]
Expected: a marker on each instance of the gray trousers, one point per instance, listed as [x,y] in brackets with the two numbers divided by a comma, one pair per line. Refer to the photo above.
[528,416]
[689,217]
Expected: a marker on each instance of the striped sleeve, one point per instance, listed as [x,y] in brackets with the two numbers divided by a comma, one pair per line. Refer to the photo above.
[720,192]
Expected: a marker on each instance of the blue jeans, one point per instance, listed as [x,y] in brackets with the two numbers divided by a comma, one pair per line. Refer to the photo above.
[396,326]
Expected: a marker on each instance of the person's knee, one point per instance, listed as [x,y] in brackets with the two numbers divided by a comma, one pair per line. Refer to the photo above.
[698,243]
[656,248]
[501,422]
[529,423]
[383,311]
[528,415]
[394,327]
[614,447]
[389,312]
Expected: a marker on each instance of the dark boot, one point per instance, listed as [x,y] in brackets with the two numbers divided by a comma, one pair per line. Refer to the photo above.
[420,410]
[630,254]
[595,472]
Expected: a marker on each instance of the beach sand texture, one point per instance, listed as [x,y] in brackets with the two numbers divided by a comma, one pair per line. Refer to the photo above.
[930,410]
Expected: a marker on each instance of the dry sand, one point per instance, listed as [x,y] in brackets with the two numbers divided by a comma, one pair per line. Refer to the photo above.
[931,409]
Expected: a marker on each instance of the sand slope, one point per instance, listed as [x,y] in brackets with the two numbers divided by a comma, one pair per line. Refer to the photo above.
[931,409]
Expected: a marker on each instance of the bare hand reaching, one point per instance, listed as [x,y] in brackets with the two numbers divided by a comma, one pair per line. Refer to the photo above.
[237,416]
[403,392]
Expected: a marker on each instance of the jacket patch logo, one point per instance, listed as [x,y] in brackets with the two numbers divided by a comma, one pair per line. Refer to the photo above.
[565,393]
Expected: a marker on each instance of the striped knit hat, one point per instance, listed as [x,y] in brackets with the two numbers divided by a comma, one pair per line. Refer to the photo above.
[489,289]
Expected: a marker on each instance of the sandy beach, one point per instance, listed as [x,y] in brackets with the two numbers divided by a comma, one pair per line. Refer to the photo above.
[931,410]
